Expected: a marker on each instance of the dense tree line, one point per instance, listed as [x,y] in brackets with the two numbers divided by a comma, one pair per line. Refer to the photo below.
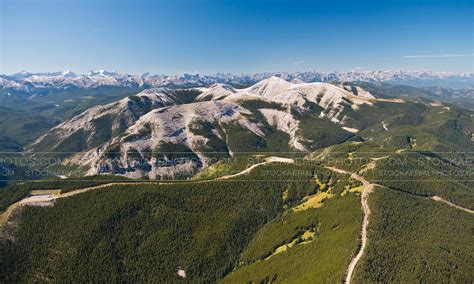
[414,239]
[142,232]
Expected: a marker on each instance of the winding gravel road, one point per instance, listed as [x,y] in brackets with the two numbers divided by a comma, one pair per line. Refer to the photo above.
[5,216]
[439,199]
[368,188]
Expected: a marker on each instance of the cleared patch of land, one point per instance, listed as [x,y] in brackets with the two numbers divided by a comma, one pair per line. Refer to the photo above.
[313,201]
[55,192]
[304,238]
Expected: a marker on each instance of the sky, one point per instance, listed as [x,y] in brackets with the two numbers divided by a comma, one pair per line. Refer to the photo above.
[210,36]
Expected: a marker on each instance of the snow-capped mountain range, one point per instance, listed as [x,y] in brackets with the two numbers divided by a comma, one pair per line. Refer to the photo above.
[38,82]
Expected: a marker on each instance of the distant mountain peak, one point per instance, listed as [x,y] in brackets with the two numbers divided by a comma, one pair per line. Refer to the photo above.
[68,74]
[266,82]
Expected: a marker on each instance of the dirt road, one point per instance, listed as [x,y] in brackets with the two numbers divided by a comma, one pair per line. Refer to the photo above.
[439,199]
[4,216]
[249,169]
[368,188]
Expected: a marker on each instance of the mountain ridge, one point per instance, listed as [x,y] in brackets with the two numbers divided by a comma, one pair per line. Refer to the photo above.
[221,121]
[40,82]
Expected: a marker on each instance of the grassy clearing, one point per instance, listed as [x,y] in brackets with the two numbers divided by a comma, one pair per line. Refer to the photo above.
[306,237]
[357,189]
[313,201]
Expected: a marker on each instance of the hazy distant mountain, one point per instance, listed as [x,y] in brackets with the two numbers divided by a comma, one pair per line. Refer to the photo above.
[44,82]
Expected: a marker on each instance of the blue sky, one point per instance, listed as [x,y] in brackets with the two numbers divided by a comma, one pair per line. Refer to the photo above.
[170,37]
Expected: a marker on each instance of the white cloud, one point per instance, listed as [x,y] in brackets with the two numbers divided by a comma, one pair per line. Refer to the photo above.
[299,62]
[438,55]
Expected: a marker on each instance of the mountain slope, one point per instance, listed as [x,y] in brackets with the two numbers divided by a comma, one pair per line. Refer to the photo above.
[101,123]
[187,132]
[157,133]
